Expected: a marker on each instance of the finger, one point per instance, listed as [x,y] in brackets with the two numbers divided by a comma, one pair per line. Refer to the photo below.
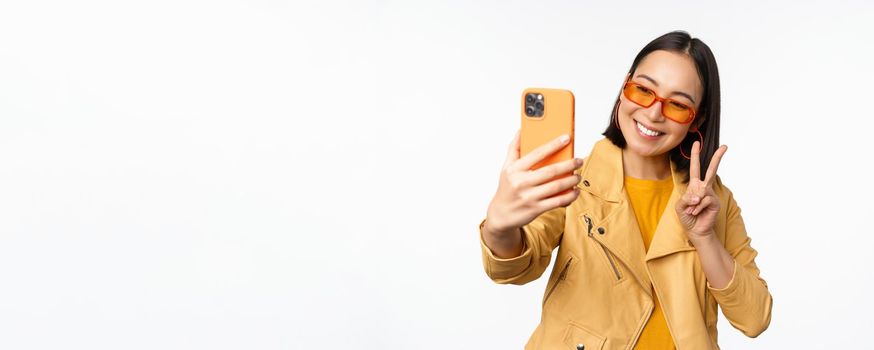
[714,164]
[558,201]
[705,203]
[686,201]
[691,199]
[540,153]
[695,162]
[513,150]
[551,188]
[552,171]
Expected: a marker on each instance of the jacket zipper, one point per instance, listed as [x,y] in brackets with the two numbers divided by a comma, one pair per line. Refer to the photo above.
[612,263]
[561,276]
[606,252]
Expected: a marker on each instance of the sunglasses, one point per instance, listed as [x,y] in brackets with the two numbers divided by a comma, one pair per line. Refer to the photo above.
[645,97]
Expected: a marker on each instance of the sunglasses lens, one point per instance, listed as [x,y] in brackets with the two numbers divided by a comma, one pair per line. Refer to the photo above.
[639,94]
[676,111]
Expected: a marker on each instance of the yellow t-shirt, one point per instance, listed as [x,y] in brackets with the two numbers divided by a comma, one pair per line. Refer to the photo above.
[649,199]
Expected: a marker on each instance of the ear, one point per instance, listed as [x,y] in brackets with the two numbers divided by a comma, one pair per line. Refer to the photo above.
[696,124]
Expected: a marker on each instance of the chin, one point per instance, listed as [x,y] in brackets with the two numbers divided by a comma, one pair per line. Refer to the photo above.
[647,150]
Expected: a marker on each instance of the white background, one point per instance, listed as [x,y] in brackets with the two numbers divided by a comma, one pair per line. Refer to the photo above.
[279,175]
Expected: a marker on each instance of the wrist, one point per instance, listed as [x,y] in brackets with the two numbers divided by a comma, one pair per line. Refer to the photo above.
[496,232]
[503,244]
[699,239]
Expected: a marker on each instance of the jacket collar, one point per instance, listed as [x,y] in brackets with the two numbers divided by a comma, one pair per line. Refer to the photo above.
[605,176]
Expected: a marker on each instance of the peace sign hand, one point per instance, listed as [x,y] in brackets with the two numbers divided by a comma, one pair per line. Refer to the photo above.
[697,208]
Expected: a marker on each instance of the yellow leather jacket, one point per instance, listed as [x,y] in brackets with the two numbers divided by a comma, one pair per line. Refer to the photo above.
[599,290]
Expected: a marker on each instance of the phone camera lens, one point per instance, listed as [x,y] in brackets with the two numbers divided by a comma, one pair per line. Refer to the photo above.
[529,98]
[529,111]
[538,105]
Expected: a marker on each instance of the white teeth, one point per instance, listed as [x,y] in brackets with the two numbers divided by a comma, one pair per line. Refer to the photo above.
[644,130]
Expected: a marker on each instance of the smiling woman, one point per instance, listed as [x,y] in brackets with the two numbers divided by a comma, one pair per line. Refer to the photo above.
[649,246]
[684,70]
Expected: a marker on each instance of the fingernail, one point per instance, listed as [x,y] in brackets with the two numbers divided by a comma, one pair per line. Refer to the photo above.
[578,161]
[564,138]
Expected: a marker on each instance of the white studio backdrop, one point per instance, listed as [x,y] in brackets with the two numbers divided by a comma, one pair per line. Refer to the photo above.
[310,175]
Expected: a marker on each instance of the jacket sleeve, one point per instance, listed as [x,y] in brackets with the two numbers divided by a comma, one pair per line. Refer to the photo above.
[539,238]
[745,301]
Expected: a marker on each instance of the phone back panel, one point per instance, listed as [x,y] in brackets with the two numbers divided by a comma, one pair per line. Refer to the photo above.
[557,119]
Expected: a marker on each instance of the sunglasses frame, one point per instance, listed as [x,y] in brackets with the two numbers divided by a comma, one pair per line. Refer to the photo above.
[658,99]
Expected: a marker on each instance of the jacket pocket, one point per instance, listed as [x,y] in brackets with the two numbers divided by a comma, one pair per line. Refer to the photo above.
[578,337]
[561,277]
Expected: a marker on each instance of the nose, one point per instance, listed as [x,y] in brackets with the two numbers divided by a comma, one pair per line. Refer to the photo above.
[654,112]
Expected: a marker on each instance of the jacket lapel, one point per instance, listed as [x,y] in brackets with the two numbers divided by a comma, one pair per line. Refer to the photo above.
[604,177]
[670,235]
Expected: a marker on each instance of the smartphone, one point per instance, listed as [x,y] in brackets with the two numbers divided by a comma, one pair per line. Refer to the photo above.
[547,114]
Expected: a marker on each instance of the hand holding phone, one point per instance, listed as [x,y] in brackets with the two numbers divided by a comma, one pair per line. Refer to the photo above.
[523,194]
[537,174]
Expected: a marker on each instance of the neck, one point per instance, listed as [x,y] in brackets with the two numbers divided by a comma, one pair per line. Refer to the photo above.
[644,167]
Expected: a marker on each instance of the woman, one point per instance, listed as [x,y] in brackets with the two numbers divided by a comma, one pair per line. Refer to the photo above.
[648,243]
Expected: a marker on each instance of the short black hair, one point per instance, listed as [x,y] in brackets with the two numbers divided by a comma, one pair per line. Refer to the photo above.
[708,109]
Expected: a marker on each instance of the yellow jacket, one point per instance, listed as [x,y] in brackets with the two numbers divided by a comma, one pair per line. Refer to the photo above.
[599,291]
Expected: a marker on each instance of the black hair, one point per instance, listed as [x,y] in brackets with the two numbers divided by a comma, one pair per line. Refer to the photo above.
[708,109]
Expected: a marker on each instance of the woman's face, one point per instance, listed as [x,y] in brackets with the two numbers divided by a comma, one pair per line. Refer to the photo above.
[670,75]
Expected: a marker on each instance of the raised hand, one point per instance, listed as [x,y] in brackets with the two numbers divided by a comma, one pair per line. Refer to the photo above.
[523,194]
[698,207]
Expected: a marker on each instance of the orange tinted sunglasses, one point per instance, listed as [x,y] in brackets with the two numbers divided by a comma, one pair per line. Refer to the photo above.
[645,97]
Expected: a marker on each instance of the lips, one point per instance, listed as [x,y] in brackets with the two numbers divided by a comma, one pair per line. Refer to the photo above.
[647,131]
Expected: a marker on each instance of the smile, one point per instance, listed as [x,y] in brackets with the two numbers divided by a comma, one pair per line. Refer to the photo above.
[647,132]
